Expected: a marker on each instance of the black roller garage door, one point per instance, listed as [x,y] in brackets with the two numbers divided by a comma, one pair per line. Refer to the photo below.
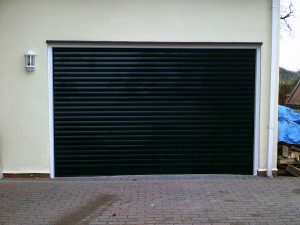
[131,110]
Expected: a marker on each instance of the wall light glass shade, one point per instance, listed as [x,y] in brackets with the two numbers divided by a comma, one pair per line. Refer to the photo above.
[30,61]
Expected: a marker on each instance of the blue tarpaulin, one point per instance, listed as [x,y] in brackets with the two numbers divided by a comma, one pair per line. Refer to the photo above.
[288,126]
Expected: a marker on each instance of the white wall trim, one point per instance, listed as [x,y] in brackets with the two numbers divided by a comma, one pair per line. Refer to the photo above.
[256,47]
[274,169]
[257,110]
[51,110]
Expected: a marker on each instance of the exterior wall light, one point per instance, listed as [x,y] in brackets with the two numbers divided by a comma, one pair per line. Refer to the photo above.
[30,61]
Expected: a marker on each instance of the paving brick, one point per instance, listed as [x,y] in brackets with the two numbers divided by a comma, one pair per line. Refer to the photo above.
[166,199]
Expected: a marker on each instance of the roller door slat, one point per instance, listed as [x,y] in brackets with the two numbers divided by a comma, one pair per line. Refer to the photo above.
[145,110]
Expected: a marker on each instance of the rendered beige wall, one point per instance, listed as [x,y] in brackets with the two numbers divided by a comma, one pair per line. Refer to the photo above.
[24,25]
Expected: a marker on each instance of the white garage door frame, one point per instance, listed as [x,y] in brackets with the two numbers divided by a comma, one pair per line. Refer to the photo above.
[255,46]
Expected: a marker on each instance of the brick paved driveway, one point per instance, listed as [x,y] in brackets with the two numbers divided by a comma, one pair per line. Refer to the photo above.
[170,199]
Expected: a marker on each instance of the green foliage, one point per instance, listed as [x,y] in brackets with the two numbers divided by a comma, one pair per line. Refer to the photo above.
[287,82]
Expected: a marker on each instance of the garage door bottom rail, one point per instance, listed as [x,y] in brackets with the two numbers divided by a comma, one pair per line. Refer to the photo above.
[149,170]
